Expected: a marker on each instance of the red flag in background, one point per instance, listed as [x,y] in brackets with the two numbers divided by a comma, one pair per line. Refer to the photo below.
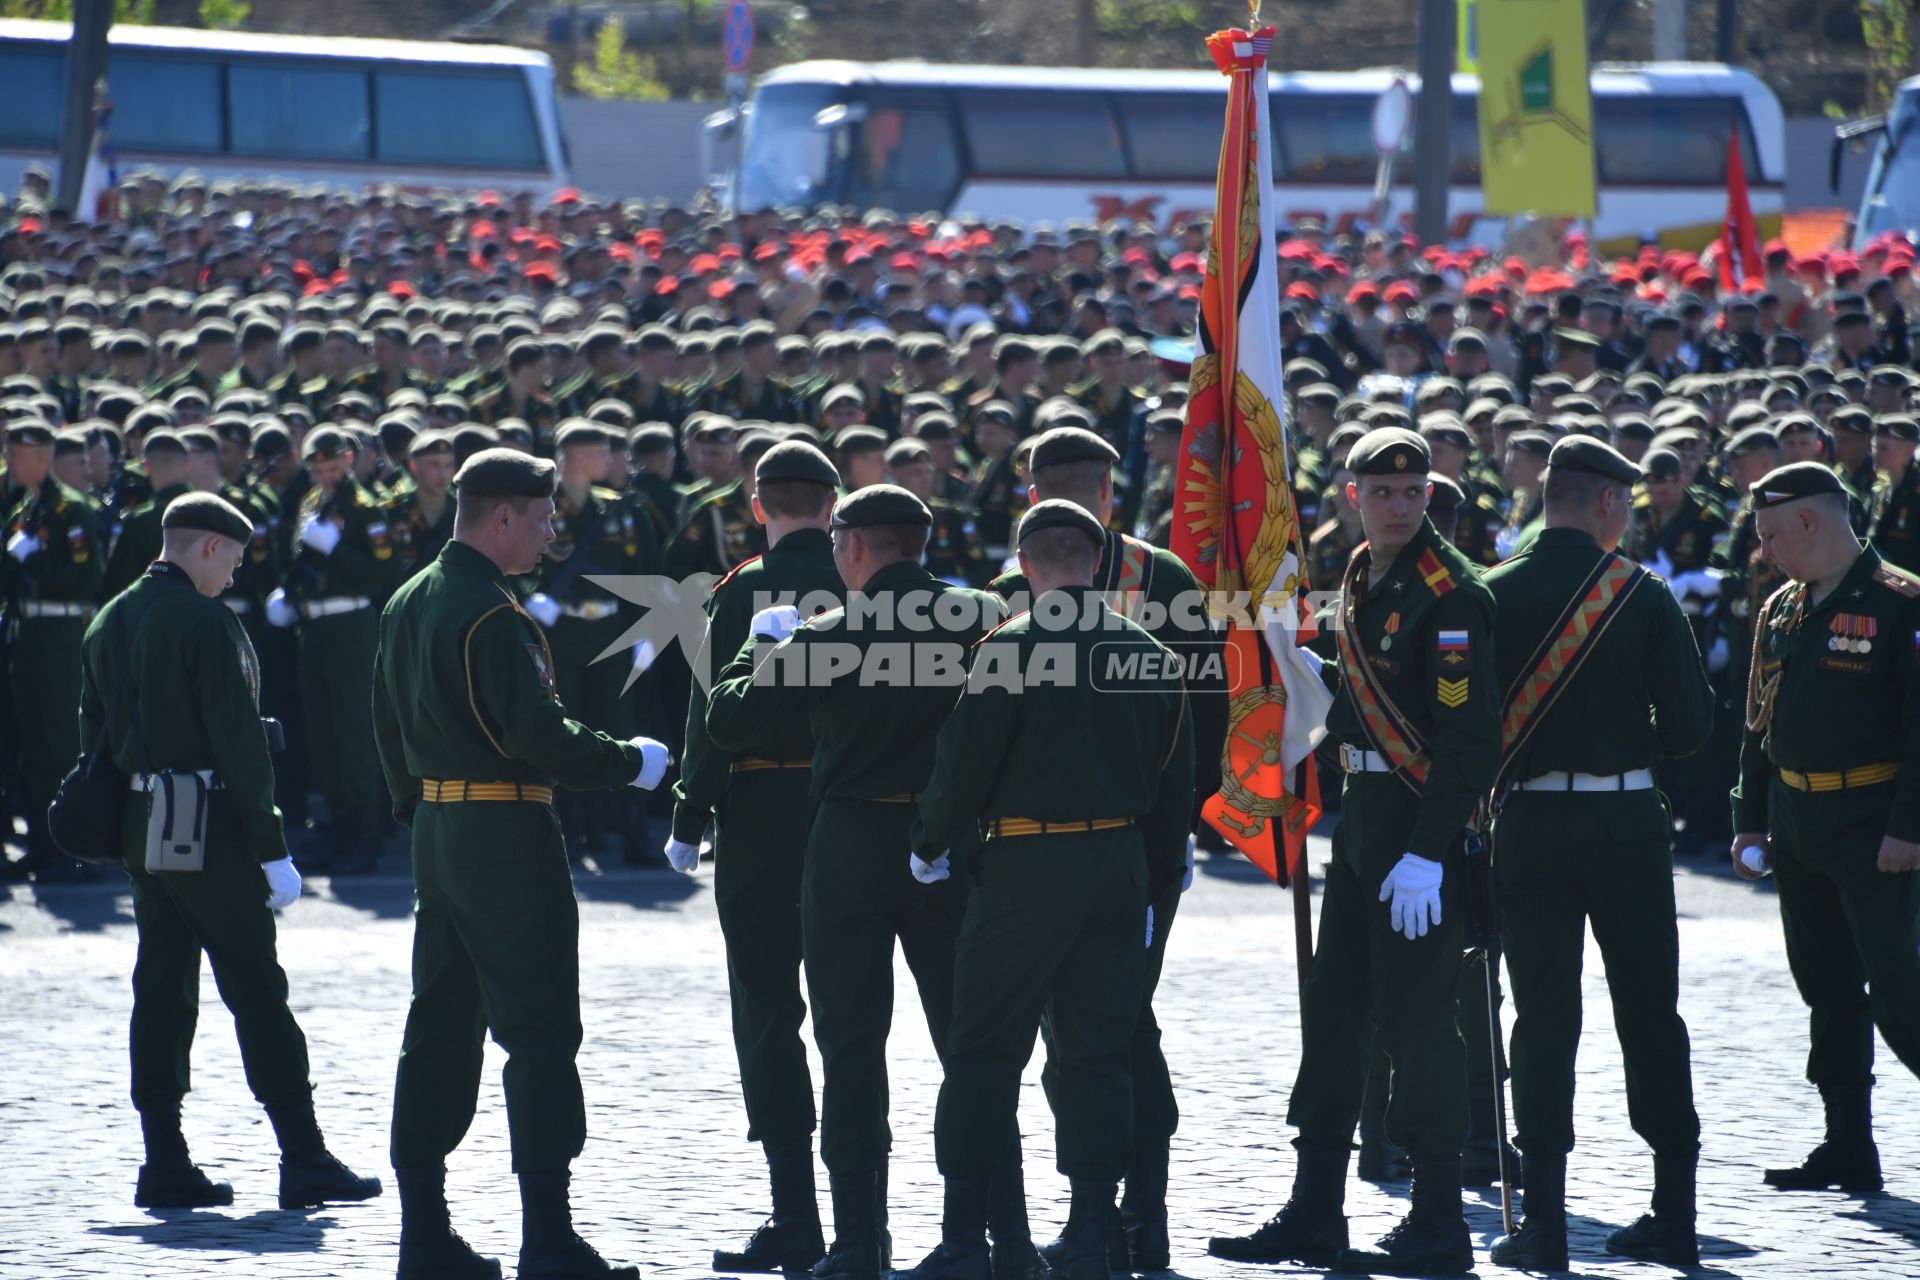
[1740,259]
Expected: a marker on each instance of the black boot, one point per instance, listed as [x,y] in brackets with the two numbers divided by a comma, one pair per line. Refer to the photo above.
[1667,1234]
[1087,1240]
[1381,1160]
[1014,1257]
[1539,1240]
[1848,1160]
[962,1252]
[790,1240]
[310,1175]
[1480,1158]
[1431,1240]
[430,1249]
[858,1226]
[550,1249]
[170,1179]
[1143,1209]
[1311,1227]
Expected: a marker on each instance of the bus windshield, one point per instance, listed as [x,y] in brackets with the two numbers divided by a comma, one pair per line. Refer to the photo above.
[1893,196]
[789,148]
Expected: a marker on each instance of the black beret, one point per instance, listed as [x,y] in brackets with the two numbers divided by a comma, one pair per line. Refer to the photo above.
[200,439]
[1390,450]
[859,439]
[1446,430]
[1662,464]
[1537,443]
[163,441]
[1057,513]
[1576,338]
[581,432]
[1320,393]
[997,409]
[1447,495]
[326,442]
[69,442]
[1466,336]
[505,473]
[428,442]
[1794,481]
[30,431]
[653,437]
[1666,320]
[934,426]
[906,452]
[1750,439]
[208,512]
[1852,417]
[1633,427]
[753,442]
[1064,445]
[796,460]
[880,504]
[470,438]
[1584,453]
[1170,421]
[1897,426]
[271,442]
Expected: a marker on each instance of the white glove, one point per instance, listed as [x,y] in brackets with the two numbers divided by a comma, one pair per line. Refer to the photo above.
[644,655]
[1187,882]
[1754,859]
[322,535]
[283,883]
[544,608]
[21,545]
[776,622]
[1717,656]
[653,763]
[1661,565]
[280,610]
[929,872]
[682,856]
[1149,926]
[1414,886]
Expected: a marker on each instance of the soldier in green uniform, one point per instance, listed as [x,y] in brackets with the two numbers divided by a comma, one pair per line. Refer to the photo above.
[756,796]
[1852,427]
[753,392]
[995,492]
[1827,800]
[1417,726]
[50,581]
[137,544]
[1583,836]
[344,564]
[473,741]
[1673,527]
[191,705]
[594,534]
[650,489]
[873,731]
[1896,536]
[1086,797]
[953,546]
[522,397]
[720,531]
[1330,547]
[420,518]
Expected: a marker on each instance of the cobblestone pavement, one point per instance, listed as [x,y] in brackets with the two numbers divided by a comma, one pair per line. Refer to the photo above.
[667,1173]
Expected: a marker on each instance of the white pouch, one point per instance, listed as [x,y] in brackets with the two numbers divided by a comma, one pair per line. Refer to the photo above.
[177,822]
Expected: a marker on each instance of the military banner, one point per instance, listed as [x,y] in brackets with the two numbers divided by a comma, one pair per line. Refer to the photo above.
[1536,108]
[1234,520]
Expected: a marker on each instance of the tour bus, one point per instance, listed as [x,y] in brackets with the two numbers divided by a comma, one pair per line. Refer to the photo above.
[309,109]
[1034,143]
[1891,201]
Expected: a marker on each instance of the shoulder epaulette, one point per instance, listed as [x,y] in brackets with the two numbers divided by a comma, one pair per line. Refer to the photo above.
[989,635]
[731,572]
[1897,581]
[1436,575]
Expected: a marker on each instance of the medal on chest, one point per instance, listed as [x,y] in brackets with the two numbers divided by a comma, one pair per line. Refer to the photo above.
[1391,629]
[1852,633]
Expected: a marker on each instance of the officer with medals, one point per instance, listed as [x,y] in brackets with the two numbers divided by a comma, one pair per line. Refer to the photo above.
[1829,802]
[191,704]
[1416,724]
[757,800]
[1605,681]
[473,740]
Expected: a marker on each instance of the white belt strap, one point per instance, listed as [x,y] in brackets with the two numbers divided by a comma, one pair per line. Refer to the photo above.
[145,781]
[332,606]
[1560,780]
[590,610]
[56,609]
[1354,760]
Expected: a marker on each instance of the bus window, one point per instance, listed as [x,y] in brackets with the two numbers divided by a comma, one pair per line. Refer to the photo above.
[1174,137]
[1324,137]
[472,119]
[35,77]
[787,152]
[1666,142]
[906,159]
[166,104]
[1042,135]
[304,112]
[1463,142]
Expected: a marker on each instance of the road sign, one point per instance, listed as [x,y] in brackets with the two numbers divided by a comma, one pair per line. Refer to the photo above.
[736,35]
[1392,118]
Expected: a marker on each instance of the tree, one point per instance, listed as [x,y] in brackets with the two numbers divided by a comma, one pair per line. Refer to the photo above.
[224,15]
[617,73]
[137,12]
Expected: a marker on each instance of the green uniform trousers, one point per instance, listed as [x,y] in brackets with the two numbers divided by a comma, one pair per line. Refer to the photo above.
[222,911]
[857,896]
[1564,861]
[1056,924]
[336,674]
[496,948]
[44,680]
[1370,984]
[759,849]
[1850,927]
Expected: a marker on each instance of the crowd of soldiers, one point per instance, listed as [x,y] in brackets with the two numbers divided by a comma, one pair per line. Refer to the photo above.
[962,411]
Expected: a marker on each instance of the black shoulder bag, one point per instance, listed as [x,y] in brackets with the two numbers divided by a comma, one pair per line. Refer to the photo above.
[84,818]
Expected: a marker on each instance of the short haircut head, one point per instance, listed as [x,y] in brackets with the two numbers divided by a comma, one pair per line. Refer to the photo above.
[1572,489]
[1077,482]
[1062,553]
[472,511]
[793,499]
[896,541]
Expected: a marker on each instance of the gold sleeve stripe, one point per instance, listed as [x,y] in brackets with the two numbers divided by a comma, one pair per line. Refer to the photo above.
[467,660]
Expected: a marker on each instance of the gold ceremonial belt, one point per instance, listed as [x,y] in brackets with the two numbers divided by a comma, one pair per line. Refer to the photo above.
[1033,827]
[898,797]
[753,764]
[1866,775]
[455,792]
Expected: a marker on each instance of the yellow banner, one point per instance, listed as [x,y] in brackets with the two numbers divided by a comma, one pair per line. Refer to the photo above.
[1467,58]
[1536,108]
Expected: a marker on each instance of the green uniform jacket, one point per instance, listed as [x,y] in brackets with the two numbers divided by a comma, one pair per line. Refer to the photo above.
[415,541]
[68,565]
[601,537]
[363,563]
[1896,535]
[798,566]
[199,695]
[1450,696]
[139,541]
[1645,662]
[720,532]
[1835,708]
[1099,745]
[463,691]
[872,736]
[261,569]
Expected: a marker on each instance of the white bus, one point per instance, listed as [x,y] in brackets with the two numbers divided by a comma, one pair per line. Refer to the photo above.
[304,108]
[1048,143]
[1891,201]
